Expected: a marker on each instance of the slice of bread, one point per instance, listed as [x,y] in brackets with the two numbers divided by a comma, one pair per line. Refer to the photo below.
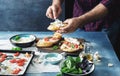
[49,41]
[68,48]
[42,43]
[70,45]
[56,25]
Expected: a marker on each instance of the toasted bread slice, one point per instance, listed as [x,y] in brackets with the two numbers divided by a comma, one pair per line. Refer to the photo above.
[42,43]
[57,35]
[56,25]
[70,45]
[47,41]
[69,48]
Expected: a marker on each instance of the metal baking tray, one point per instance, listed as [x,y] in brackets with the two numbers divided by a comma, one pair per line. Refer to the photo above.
[12,66]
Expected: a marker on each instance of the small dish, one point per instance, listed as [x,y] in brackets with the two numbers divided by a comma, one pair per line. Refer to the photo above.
[53,58]
[23,40]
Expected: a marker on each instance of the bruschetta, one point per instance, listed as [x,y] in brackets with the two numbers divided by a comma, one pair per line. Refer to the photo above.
[70,45]
[56,25]
[49,41]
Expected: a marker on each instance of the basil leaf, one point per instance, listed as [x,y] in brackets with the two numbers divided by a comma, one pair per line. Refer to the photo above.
[16,48]
[80,70]
[55,47]
[68,64]
[78,60]
[59,74]
[17,38]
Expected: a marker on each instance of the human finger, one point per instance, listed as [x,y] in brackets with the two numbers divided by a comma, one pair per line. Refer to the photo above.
[55,14]
[61,31]
[49,13]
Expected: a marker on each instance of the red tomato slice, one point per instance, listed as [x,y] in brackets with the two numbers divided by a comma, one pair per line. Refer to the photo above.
[70,44]
[13,61]
[66,42]
[3,56]
[17,54]
[20,64]
[76,46]
[21,60]
[2,59]
[46,39]
[1,53]
[53,38]
[16,71]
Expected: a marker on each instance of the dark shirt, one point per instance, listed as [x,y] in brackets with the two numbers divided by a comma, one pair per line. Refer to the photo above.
[83,6]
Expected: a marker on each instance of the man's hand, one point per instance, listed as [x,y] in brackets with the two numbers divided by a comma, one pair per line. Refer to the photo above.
[53,11]
[72,25]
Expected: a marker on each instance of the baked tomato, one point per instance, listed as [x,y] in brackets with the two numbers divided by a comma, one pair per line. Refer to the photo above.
[17,54]
[20,64]
[2,59]
[20,60]
[16,71]
[1,53]
[3,56]
[13,61]
[46,39]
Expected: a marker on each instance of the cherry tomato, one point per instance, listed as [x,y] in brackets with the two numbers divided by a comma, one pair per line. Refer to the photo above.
[46,39]
[13,61]
[20,64]
[16,71]
[3,56]
[21,60]
[17,54]
[1,53]
[66,42]
[53,38]
[76,46]
[2,59]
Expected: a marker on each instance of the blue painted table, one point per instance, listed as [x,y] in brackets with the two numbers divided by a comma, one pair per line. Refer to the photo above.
[101,44]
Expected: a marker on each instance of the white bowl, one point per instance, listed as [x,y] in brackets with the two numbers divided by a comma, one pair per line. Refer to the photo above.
[23,40]
[53,58]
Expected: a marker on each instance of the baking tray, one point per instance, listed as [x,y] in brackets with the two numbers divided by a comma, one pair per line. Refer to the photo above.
[7,61]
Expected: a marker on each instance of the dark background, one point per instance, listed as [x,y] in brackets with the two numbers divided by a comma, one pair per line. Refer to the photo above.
[25,15]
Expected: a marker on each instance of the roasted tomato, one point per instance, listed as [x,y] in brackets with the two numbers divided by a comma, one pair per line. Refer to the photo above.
[65,42]
[21,64]
[13,61]
[76,46]
[16,71]
[3,56]
[1,53]
[20,60]
[2,59]
[17,54]
[53,38]
[46,39]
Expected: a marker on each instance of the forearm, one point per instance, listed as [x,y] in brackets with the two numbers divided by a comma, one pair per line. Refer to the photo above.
[57,2]
[96,13]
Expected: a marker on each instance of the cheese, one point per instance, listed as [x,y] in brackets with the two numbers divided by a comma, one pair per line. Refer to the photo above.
[57,22]
[72,40]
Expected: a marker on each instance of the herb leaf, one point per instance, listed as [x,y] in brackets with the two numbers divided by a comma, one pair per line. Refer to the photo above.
[17,38]
[16,48]
[55,47]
